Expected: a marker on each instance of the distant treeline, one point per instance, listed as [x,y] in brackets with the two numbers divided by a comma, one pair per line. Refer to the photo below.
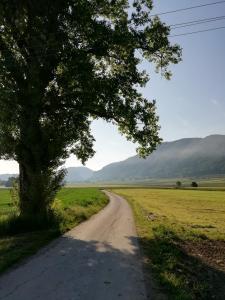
[9,182]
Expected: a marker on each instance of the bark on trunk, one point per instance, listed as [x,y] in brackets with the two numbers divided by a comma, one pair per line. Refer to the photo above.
[23,190]
[31,192]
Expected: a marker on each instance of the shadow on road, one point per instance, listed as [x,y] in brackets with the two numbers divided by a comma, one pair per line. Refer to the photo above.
[69,268]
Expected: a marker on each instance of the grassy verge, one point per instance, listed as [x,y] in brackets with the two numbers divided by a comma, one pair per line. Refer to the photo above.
[182,233]
[74,206]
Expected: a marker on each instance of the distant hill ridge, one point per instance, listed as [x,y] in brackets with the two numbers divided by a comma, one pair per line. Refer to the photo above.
[4,177]
[188,157]
[78,174]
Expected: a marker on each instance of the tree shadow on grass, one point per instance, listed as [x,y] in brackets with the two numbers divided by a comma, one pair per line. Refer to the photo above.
[23,236]
[69,268]
[181,274]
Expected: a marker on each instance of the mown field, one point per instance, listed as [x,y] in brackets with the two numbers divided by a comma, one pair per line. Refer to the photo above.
[182,233]
[204,183]
[208,184]
[73,205]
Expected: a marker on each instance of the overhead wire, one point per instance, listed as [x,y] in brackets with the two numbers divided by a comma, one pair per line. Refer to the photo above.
[192,7]
[196,22]
[187,8]
[198,31]
[170,36]
[177,25]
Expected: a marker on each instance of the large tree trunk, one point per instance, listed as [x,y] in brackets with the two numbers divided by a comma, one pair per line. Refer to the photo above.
[32,183]
[39,180]
[38,186]
[32,192]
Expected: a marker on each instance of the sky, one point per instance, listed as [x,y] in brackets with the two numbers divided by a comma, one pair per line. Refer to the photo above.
[191,104]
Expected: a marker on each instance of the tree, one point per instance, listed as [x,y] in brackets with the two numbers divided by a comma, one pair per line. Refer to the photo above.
[178,184]
[10,181]
[63,64]
[194,184]
[2,182]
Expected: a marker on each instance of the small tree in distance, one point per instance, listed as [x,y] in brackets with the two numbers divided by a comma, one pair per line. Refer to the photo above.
[178,184]
[10,181]
[194,184]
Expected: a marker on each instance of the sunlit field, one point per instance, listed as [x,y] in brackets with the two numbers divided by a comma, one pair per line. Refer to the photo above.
[182,233]
[207,184]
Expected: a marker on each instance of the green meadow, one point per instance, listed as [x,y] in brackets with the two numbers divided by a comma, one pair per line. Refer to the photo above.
[182,233]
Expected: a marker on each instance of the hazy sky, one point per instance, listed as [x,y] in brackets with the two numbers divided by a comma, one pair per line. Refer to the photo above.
[191,104]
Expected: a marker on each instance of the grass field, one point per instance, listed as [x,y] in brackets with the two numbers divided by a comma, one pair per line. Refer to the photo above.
[214,182]
[75,205]
[182,233]
[208,184]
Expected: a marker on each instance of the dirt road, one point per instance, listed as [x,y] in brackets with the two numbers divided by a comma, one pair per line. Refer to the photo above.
[97,260]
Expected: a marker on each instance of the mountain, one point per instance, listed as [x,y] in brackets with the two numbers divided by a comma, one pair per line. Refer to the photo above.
[189,157]
[4,177]
[78,174]
[74,174]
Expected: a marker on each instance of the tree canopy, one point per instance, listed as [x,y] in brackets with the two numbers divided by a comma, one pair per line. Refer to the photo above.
[65,63]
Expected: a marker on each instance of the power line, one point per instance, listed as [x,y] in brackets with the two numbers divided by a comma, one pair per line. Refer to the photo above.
[196,22]
[178,25]
[53,51]
[199,31]
[174,35]
[187,8]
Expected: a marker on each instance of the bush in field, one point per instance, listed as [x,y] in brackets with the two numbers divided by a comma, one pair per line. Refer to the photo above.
[194,184]
[10,182]
[178,184]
